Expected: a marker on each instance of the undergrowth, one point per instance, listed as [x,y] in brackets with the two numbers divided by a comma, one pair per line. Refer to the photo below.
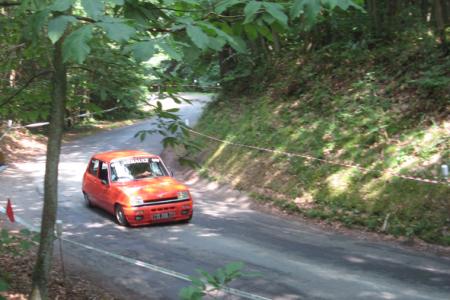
[385,109]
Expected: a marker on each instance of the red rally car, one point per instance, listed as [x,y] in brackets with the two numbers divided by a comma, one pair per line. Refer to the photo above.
[136,188]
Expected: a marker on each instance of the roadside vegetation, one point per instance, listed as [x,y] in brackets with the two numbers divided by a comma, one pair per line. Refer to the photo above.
[382,104]
[18,250]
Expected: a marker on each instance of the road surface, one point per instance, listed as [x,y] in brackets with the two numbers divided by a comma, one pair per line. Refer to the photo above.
[294,260]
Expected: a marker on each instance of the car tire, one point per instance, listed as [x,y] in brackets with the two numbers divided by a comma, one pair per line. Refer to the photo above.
[87,201]
[120,216]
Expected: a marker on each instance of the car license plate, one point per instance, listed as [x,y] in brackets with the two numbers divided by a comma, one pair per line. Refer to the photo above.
[166,215]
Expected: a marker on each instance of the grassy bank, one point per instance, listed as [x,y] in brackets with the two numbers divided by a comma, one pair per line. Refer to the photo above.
[386,110]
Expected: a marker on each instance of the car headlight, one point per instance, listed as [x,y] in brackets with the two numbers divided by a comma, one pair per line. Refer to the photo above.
[136,200]
[184,195]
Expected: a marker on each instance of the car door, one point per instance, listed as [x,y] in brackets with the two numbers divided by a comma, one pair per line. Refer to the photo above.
[104,187]
[91,180]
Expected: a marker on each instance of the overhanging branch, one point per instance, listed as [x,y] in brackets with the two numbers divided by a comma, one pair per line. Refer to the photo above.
[9,3]
[29,81]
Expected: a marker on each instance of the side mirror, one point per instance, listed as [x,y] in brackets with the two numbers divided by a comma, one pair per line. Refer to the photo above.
[104,182]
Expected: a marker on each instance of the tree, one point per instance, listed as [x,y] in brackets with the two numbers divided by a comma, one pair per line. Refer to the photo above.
[56,126]
[440,19]
[184,30]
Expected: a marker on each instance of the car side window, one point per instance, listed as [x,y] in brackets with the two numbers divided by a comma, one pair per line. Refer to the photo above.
[93,167]
[103,175]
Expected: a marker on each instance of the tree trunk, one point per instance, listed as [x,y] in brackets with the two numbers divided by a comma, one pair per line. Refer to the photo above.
[446,12]
[374,15]
[440,24]
[276,40]
[43,263]
[425,10]
[13,79]
[226,61]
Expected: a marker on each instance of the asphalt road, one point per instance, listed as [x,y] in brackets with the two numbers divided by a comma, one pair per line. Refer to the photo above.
[294,260]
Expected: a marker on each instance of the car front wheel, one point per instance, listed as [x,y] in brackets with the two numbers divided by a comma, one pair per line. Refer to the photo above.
[87,201]
[120,216]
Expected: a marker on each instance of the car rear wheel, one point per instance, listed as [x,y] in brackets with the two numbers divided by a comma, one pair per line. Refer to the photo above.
[120,216]
[87,201]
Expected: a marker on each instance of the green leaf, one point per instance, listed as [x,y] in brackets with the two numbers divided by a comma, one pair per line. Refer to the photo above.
[93,8]
[167,115]
[57,26]
[36,23]
[171,51]
[185,131]
[298,8]
[209,278]
[198,37]
[197,282]
[233,41]
[252,31]
[3,285]
[226,28]
[169,141]
[268,19]
[224,5]
[240,46]
[115,2]
[331,4]
[75,47]
[265,31]
[310,8]
[61,5]
[216,43]
[32,5]
[173,127]
[191,2]
[191,293]
[234,267]
[161,132]
[250,11]
[142,51]
[276,11]
[345,4]
[220,276]
[118,32]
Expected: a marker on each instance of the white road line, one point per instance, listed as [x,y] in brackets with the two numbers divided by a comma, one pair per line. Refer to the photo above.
[165,271]
[143,264]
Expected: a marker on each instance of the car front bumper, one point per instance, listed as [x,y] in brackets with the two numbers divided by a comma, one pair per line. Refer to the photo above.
[159,213]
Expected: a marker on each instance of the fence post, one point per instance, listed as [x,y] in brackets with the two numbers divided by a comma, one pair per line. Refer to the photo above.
[59,230]
[444,171]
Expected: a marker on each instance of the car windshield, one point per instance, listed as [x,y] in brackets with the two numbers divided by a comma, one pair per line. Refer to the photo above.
[137,168]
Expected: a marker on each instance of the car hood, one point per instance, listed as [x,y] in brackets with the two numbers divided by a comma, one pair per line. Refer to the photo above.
[153,188]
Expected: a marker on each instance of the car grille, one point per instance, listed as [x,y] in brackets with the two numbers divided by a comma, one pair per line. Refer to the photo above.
[162,201]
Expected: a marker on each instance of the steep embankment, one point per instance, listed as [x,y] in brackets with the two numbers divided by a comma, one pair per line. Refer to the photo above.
[385,109]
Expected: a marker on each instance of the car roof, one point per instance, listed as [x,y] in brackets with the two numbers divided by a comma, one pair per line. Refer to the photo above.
[117,154]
